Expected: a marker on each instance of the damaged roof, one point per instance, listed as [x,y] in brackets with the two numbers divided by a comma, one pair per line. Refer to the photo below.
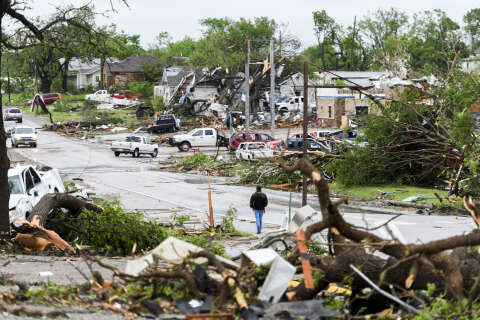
[130,64]
[173,75]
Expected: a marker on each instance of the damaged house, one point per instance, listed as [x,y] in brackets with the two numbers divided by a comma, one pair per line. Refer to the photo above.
[336,107]
[175,79]
[118,74]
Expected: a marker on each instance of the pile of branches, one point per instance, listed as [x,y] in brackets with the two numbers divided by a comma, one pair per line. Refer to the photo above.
[408,267]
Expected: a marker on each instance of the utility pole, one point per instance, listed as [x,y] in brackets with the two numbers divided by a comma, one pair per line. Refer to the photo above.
[8,80]
[272,88]
[353,43]
[247,94]
[305,128]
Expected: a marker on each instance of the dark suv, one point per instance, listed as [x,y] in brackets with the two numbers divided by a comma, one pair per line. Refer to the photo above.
[13,114]
[165,123]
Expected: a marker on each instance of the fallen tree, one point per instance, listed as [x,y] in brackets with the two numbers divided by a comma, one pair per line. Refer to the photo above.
[32,233]
[410,266]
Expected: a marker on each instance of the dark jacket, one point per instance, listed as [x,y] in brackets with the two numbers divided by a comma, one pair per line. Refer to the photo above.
[258,201]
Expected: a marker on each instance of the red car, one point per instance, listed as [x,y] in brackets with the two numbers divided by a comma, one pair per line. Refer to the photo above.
[48,98]
[244,136]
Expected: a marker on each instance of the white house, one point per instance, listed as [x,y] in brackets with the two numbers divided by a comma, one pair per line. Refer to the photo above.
[84,73]
[472,63]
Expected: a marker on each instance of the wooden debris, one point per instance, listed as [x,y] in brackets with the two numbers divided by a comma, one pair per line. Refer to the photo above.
[307,268]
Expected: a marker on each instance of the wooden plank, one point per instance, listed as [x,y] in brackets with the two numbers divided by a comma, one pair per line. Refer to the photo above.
[307,268]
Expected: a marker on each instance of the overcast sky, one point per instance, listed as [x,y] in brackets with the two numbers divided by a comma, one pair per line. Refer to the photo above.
[181,18]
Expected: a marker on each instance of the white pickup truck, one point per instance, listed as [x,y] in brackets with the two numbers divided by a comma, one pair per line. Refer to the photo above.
[135,145]
[199,137]
[100,95]
[28,186]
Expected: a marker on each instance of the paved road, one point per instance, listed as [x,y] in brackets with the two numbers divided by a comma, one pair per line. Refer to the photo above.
[159,193]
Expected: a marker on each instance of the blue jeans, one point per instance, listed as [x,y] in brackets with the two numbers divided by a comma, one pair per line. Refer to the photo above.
[258,217]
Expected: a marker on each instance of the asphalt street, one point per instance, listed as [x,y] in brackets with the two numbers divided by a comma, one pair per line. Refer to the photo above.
[160,193]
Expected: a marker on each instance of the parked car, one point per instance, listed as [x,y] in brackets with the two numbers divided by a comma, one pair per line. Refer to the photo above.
[324,133]
[134,145]
[253,151]
[199,137]
[9,126]
[243,136]
[27,186]
[348,136]
[299,135]
[296,144]
[48,98]
[13,114]
[294,104]
[165,123]
[24,135]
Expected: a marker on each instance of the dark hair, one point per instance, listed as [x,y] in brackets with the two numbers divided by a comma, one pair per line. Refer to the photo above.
[259,188]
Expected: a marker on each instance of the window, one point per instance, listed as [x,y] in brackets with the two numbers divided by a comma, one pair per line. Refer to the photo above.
[28,180]
[209,132]
[35,177]
[23,130]
[329,111]
[243,146]
[14,111]
[15,185]
[198,133]
[266,137]
[97,78]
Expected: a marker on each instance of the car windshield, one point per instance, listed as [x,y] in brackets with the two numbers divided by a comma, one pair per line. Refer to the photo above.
[24,130]
[14,111]
[15,185]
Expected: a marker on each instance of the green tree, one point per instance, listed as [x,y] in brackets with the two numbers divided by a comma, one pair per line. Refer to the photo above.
[435,43]
[472,26]
[385,31]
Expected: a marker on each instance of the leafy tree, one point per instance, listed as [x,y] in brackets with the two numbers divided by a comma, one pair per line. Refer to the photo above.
[22,33]
[435,43]
[385,31]
[472,26]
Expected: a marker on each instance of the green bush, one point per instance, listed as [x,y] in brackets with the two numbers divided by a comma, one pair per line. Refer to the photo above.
[145,88]
[116,231]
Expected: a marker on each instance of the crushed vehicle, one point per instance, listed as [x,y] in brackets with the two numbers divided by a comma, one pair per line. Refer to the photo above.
[134,145]
[296,144]
[199,137]
[243,136]
[48,98]
[24,135]
[164,123]
[13,114]
[100,95]
[27,186]
[253,151]
[9,126]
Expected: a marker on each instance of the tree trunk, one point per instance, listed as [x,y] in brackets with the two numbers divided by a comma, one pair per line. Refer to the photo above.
[65,76]
[45,85]
[4,162]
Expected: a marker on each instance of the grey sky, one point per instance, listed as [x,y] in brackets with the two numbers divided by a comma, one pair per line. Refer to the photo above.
[180,18]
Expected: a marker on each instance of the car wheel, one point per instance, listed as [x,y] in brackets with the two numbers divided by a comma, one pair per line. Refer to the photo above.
[34,145]
[116,153]
[184,146]
[20,121]
[13,145]
[155,153]
[136,153]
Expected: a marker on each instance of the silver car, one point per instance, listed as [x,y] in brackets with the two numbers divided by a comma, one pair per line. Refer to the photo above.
[13,114]
[9,126]
[24,136]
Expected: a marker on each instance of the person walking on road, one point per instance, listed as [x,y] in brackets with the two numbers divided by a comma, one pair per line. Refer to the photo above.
[258,202]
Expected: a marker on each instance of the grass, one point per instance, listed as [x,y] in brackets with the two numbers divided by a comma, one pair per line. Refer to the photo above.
[61,110]
[399,192]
